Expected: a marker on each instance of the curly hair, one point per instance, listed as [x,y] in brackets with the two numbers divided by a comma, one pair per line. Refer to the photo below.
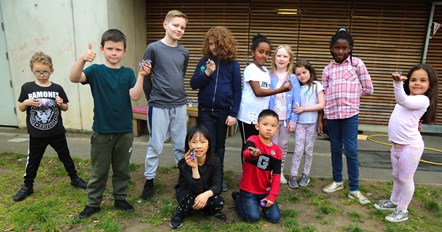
[225,44]
[42,58]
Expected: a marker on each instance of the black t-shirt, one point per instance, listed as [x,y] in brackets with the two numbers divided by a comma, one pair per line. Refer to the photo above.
[43,121]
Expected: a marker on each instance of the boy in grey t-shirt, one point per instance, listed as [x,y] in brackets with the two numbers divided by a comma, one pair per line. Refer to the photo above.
[166,95]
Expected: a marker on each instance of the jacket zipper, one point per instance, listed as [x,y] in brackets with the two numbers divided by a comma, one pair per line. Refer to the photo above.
[216,85]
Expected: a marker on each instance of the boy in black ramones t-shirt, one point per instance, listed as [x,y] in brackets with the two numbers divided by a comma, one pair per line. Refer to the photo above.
[43,102]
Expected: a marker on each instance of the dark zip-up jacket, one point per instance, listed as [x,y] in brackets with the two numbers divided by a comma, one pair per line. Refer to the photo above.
[221,90]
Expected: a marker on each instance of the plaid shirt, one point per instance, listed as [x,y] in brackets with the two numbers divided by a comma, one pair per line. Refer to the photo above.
[344,84]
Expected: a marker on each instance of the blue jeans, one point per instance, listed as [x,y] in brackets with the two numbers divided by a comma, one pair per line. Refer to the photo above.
[343,135]
[215,122]
[248,208]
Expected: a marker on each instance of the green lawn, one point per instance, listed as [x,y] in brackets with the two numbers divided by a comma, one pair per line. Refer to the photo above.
[55,205]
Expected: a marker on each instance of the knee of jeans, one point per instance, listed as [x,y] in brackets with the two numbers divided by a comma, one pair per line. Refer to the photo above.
[336,150]
[251,217]
[274,220]
[351,155]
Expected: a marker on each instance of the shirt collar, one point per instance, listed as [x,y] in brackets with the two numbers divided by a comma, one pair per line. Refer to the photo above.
[343,62]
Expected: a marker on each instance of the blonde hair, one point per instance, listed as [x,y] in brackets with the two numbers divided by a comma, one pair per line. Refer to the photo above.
[175,13]
[289,50]
[42,58]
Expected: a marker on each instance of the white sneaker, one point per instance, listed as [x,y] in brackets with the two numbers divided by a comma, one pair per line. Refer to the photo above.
[283,179]
[385,205]
[358,196]
[397,216]
[333,187]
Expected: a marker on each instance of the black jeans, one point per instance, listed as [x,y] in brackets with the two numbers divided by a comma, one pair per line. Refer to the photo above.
[215,122]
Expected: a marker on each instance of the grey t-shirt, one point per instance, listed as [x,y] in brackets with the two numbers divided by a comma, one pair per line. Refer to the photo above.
[169,65]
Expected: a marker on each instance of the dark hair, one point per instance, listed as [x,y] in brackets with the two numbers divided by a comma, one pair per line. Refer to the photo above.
[432,92]
[257,39]
[113,35]
[309,67]
[267,112]
[200,129]
[225,44]
[343,33]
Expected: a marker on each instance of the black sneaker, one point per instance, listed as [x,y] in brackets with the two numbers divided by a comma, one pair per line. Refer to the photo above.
[220,216]
[123,205]
[148,191]
[24,192]
[79,183]
[88,211]
[177,220]
[235,195]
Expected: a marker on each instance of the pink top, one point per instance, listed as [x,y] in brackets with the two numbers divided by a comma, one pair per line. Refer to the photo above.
[280,101]
[404,121]
[344,84]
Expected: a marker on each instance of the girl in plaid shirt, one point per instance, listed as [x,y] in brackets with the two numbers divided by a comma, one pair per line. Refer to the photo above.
[345,80]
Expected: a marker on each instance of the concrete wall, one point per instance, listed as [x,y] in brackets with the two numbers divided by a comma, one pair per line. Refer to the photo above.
[63,29]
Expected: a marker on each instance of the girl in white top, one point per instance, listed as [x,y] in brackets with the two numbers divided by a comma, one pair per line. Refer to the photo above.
[256,88]
[416,99]
[312,100]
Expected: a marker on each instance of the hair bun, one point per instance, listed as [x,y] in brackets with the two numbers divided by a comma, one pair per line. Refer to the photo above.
[259,36]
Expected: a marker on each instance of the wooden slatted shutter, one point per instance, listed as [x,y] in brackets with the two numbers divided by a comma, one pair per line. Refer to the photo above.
[388,36]
[202,16]
[277,20]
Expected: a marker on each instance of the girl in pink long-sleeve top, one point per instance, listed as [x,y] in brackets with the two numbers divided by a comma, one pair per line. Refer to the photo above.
[416,99]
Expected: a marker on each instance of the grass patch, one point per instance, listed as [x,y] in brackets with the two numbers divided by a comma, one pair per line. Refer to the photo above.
[352,228]
[432,206]
[290,213]
[167,170]
[55,204]
[355,216]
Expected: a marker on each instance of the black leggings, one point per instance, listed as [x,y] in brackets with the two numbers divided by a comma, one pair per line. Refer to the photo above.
[214,205]
[246,131]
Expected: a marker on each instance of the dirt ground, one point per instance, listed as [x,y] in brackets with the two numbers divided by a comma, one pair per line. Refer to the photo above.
[308,211]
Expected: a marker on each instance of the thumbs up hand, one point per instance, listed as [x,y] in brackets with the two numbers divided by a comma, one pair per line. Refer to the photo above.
[89,55]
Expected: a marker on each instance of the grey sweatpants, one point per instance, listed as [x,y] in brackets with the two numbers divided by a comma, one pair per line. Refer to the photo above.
[163,123]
